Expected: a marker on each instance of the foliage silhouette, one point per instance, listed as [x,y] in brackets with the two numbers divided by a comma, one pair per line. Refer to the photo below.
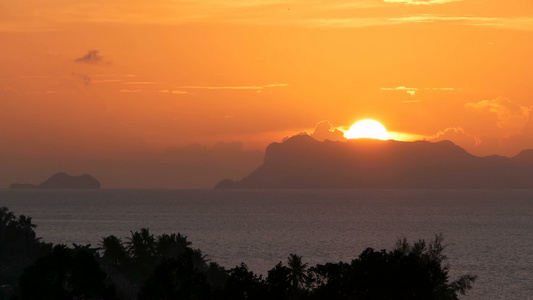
[167,267]
[177,278]
[278,282]
[408,271]
[19,247]
[65,274]
[298,275]
[244,284]
[141,246]
[172,245]
[114,252]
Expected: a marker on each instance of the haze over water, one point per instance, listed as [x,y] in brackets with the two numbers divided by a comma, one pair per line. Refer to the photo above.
[488,233]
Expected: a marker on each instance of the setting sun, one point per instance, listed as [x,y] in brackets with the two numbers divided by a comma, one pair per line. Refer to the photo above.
[367,129]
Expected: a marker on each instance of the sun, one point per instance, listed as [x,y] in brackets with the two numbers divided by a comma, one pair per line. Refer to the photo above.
[367,129]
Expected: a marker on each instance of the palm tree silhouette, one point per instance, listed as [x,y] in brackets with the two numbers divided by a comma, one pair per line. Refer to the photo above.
[141,245]
[171,245]
[113,250]
[298,271]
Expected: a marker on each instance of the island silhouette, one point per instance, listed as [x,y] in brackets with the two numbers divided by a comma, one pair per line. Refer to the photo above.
[62,180]
[301,162]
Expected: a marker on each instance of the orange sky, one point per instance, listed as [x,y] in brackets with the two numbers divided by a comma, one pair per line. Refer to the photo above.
[93,81]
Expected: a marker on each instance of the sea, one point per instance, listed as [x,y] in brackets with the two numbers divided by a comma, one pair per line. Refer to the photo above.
[488,233]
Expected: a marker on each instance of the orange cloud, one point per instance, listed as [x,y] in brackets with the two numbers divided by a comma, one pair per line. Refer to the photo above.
[253,87]
[173,91]
[420,2]
[408,90]
[511,116]
[456,134]
[324,131]
[33,15]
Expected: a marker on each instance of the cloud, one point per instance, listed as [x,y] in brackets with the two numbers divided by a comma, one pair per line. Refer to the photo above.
[38,16]
[10,89]
[519,23]
[86,79]
[457,135]
[443,89]
[107,80]
[408,90]
[323,131]
[92,57]
[420,2]
[252,87]
[177,92]
[399,88]
[111,78]
[141,83]
[511,116]
[129,91]
[412,91]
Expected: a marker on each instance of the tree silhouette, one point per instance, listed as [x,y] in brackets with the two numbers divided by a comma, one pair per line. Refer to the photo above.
[16,234]
[114,251]
[243,284]
[408,271]
[298,271]
[172,245]
[166,267]
[141,245]
[65,274]
[177,278]
[19,247]
[277,282]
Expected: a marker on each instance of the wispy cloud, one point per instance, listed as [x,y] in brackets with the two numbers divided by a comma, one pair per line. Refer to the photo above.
[252,87]
[511,116]
[408,90]
[86,79]
[129,91]
[442,89]
[46,15]
[10,89]
[176,92]
[521,23]
[399,88]
[420,2]
[141,82]
[412,90]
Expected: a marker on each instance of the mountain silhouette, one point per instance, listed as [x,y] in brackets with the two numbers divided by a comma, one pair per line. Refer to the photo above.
[62,180]
[302,162]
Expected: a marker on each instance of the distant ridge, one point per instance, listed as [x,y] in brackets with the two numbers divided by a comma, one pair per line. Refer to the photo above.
[62,180]
[302,162]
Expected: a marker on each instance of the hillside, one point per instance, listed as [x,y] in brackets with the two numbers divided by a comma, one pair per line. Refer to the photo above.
[301,162]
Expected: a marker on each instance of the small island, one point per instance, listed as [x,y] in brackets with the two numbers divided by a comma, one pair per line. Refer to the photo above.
[62,180]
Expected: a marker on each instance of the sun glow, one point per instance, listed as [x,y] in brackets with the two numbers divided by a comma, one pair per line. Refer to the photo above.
[367,129]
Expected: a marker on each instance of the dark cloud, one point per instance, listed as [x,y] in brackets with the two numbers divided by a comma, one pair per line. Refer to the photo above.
[92,57]
[323,131]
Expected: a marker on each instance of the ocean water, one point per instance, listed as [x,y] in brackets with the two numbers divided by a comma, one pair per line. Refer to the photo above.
[488,233]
